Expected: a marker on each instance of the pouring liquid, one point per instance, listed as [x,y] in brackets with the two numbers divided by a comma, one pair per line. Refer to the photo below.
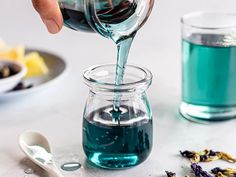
[119,144]
[120,19]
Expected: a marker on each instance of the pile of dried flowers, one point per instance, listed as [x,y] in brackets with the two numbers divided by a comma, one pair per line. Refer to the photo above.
[207,156]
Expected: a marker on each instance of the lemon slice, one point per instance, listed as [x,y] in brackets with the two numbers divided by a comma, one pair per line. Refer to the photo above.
[20,53]
[16,53]
[35,65]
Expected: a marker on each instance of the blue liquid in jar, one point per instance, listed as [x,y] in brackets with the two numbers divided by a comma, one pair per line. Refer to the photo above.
[112,145]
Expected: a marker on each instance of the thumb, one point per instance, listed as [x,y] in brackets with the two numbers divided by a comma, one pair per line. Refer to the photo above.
[50,13]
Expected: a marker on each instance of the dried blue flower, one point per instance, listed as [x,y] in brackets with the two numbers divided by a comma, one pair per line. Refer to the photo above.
[207,156]
[217,170]
[188,154]
[198,171]
[227,172]
[170,174]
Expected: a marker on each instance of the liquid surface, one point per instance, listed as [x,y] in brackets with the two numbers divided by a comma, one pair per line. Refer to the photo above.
[209,70]
[71,166]
[122,145]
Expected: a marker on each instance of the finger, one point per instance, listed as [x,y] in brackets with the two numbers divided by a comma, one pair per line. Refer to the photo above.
[50,13]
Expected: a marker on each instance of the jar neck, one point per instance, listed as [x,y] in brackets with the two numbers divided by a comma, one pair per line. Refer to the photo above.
[124,90]
[101,79]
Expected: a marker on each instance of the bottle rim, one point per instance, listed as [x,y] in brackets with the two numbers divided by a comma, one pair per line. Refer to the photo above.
[141,83]
[188,19]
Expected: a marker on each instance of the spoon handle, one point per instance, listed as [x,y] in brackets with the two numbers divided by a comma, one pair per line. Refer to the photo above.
[54,171]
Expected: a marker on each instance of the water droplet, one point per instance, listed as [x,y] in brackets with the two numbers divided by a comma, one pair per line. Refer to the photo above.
[29,171]
[71,166]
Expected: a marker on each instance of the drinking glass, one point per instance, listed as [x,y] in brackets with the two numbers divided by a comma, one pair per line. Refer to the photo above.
[208,66]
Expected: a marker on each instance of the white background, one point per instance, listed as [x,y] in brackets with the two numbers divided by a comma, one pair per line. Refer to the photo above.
[57,111]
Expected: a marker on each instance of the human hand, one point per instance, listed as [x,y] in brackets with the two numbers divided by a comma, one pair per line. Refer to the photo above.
[50,14]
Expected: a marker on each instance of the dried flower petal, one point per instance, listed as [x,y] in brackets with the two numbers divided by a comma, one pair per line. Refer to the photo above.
[198,171]
[22,86]
[226,157]
[220,175]
[227,172]
[170,174]
[207,156]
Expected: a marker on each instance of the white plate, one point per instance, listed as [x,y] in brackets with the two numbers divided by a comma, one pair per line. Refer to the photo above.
[57,67]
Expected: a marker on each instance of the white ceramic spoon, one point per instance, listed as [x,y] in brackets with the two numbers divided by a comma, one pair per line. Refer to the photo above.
[37,148]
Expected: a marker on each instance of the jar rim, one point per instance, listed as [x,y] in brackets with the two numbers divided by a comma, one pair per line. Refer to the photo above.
[145,80]
[200,14]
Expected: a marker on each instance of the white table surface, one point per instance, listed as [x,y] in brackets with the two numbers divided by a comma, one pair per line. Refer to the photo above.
[57,111]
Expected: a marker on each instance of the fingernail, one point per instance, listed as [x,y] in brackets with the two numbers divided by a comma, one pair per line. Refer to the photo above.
[51,26]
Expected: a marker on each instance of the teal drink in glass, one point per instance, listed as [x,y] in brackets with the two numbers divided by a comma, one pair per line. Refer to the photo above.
[208,66]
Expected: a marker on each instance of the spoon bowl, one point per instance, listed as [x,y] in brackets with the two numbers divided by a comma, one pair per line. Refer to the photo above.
[37,148]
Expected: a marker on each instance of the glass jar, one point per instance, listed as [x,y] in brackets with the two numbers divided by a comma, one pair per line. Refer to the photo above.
[122,138]
[112,19]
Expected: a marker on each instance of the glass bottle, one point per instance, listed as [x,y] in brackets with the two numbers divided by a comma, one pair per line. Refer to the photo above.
[122,138]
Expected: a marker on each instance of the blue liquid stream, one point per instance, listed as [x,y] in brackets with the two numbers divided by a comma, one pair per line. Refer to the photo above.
[123,48]
[76,20]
